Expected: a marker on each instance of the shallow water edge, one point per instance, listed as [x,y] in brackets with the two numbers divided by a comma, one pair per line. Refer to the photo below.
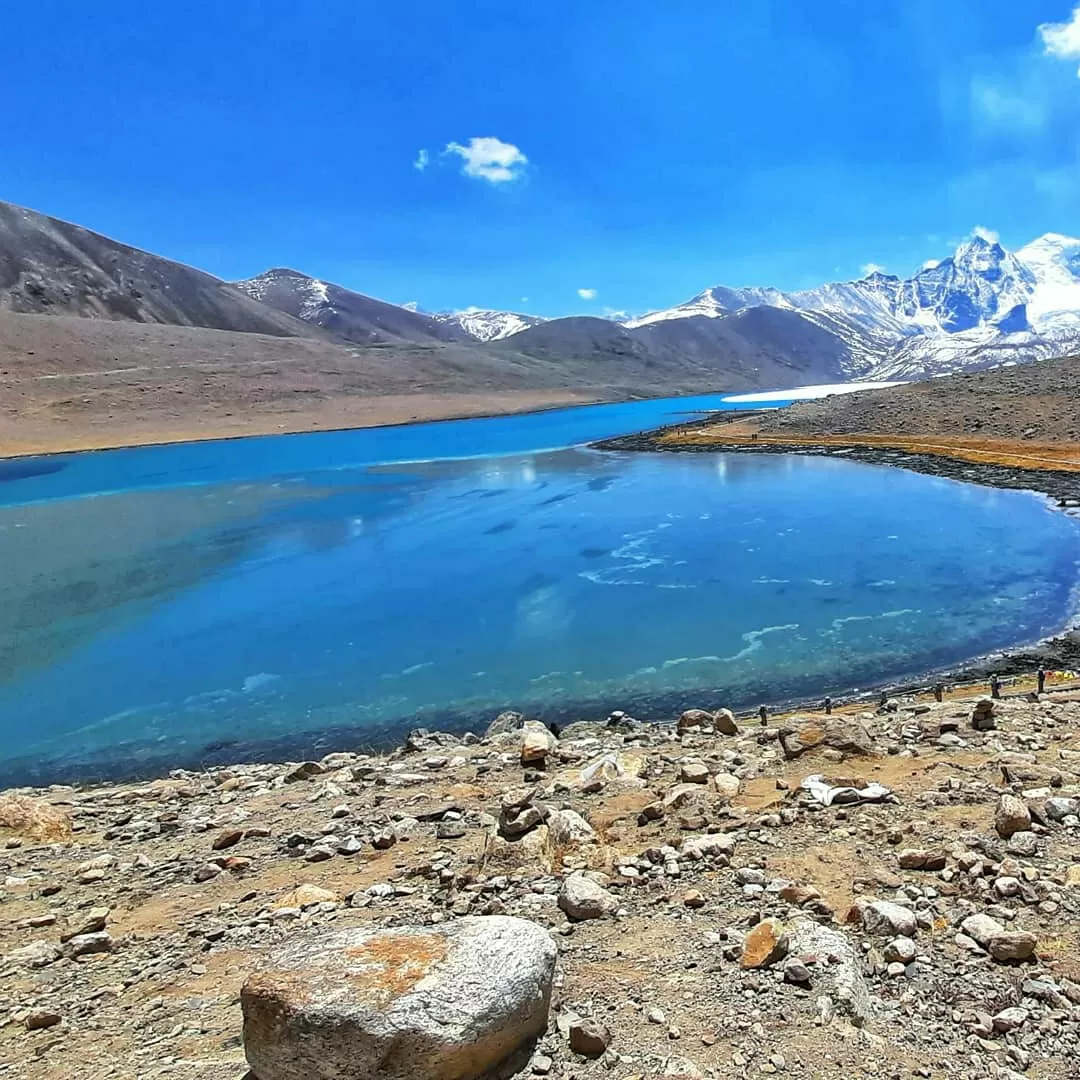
[1060,651]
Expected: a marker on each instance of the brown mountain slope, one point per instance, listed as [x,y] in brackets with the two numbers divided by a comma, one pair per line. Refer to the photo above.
[48,266]
[73,383]
[1031,402]
[1025,417]
[344,313]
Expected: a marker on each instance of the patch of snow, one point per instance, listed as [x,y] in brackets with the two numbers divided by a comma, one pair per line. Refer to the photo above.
[490,325]
[807,393]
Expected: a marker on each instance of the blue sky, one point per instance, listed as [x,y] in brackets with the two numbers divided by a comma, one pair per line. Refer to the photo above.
[640,151]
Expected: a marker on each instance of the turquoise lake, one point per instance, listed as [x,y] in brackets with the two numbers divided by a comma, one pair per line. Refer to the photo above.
[285,596]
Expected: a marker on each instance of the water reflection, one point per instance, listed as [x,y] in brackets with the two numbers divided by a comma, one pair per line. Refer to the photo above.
[150,624]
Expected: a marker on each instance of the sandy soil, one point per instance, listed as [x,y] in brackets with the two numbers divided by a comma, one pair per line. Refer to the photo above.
[42,435]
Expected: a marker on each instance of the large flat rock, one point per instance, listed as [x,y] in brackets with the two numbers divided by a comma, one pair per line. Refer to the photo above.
[447,1002]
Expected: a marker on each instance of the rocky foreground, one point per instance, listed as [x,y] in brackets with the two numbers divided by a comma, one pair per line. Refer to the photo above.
[691,908]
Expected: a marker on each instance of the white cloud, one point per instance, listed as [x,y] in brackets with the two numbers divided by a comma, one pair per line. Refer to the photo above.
[412,305]
[615,315]
[524,299]
[983,233]
[490,159]
[931,264]
[872,268]
[1062,39]
[587,294]
[423,159]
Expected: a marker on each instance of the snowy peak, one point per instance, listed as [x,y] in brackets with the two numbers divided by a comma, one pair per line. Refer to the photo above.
[488,325]
[340,311]
[1054,263]
[979,306]
[311,295]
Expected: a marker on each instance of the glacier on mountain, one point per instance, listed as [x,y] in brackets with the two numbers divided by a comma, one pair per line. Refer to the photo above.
[980,307]
[488,325]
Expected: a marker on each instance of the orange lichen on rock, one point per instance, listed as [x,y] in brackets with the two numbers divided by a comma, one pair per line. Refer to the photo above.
[394,963]
[34,819]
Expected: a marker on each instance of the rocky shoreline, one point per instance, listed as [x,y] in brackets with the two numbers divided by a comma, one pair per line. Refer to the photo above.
[1061,652]
[891,892]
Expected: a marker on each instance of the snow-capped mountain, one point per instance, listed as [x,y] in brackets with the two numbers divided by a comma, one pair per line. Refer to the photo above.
[980,307]
[488,325]
[341,311]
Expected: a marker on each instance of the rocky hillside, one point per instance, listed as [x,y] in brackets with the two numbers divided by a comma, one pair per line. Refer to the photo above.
[1027,403]
[889,893]
[51,267]
[761,347]
[345,314]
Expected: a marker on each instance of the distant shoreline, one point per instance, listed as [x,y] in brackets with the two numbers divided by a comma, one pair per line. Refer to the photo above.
[388,412]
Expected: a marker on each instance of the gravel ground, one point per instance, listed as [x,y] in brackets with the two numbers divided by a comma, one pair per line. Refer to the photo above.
[742,927]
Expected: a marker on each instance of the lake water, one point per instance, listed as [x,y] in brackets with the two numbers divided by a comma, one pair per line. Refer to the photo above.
[290,595]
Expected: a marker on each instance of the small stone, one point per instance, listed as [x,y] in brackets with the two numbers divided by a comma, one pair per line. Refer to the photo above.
[724,722]
[1024,843]
[694,718]
[885,917]
[764,945]
[92,922]
[306,770]
[1010,1019]
[207,871]
[88,944]
[542,1064]
[900,950]
[727,785]
[227,839]
[796,973]
[694,899]
[37,954]
[694,772]
[981,928]
[656,1016]
[1012,816]
[589,1038]
[536,743]
[1012,945]
[384,838]
[40,1020]
[582,898]
[308,896]
[917,859]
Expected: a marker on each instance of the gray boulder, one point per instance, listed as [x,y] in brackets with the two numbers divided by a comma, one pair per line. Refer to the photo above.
[449,1002]
[569,829]
[886,918]
[582,898]
[980,927]
[842,977]
[1012,816]
[827,732]
[504,722]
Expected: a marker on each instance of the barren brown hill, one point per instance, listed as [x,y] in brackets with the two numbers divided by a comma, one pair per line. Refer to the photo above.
[48,266]
[1032,402]
[74,383]
[1026,416]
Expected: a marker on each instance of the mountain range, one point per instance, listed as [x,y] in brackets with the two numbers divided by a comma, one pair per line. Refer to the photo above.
[980,307]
